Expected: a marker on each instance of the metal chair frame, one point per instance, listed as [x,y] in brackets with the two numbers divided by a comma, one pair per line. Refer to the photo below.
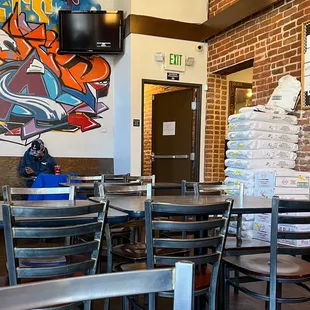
[21,222]
[202,188]
[208,248]
[53,293]
[8,191]
[143,179]
[274,282]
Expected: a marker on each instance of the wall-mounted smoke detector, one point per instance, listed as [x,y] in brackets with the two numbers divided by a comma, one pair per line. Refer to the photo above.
[159,57]
[190,61]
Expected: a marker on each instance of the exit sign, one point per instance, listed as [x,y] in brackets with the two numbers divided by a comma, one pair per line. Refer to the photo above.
[174,62]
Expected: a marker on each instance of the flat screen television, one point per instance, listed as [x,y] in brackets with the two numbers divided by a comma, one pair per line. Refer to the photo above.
[90,32]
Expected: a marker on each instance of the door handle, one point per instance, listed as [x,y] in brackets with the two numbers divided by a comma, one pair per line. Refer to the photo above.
[153,157]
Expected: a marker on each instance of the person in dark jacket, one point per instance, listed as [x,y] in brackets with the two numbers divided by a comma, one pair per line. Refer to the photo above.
[36,160]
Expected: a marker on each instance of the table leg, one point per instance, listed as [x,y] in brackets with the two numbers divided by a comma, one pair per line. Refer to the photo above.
[239,230]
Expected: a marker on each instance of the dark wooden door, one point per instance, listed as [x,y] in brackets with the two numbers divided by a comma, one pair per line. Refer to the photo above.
[173,134]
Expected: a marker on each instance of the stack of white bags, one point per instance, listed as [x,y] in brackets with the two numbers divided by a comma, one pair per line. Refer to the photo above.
[262,143]
[259,142]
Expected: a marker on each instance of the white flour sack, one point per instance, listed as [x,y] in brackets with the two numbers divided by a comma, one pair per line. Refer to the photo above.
[286,94]
[265,117]
[264,126]
[259,163]
[264,135]
[262,144]
[260,154]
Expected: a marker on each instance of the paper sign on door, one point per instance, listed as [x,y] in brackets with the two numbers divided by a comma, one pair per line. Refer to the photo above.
[168,128]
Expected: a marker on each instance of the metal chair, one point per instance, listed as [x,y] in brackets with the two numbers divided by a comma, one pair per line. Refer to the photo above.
[205,249]
[131,251]
[26,222]
[143,179]
[57,292]
[74,178]
[215,188]
[196,188]
[115,178]
[280,265]
[8,192]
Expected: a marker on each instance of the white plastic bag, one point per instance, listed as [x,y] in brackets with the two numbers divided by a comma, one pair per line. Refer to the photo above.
[286,94]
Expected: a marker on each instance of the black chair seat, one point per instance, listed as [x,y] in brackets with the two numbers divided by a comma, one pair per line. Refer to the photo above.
[289,267]
[137,251]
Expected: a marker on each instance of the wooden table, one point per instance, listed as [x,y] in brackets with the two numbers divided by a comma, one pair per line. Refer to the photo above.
[134,205]
[114,216]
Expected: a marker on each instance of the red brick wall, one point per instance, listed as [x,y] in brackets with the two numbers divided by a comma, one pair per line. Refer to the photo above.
[273,40]
[149,91]
[216,6]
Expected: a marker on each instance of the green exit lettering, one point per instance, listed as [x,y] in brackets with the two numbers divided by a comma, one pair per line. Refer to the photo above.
[175,59]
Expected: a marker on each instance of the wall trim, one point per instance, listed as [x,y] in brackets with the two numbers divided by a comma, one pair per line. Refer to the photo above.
[165,28]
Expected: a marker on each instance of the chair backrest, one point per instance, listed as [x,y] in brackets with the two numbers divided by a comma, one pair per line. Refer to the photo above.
[143,179]
[207,247]
[126,189]
[25,223]
[284,216]
[9,192]
[72,178]
[114,178]
[209,188]
[56,292]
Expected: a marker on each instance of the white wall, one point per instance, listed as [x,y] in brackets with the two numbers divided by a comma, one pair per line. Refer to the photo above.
[124,5]
[194,11]
[122,110]
[143,49]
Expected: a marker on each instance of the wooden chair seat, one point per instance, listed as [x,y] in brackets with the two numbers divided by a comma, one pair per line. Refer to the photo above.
[289,267]
[137,251]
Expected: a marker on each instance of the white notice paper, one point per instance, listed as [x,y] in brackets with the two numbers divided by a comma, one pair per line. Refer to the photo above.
[168,128]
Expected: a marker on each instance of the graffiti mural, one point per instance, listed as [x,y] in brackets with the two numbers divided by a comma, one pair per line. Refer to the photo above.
[41,90]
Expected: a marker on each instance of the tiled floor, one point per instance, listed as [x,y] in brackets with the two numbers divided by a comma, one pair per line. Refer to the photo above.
[238,302]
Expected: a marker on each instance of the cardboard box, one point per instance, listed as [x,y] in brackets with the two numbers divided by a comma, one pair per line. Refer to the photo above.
[294,197]
[299,182]
[264,179]
[291,191]
[266,217]
[264,192]
[261,235]
[262,231]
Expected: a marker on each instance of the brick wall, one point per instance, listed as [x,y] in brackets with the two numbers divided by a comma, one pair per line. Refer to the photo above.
[149,91]
[216,6]
[273,39]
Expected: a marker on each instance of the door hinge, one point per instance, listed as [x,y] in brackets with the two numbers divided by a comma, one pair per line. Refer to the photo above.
[192,156]
[153,97]
[194,105]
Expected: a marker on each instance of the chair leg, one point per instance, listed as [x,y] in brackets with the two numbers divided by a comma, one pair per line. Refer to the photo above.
[109,260]
[279,294]
[152,301]
[226,288]
[236,291]
[267,294]
[87,305]
[126,304]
